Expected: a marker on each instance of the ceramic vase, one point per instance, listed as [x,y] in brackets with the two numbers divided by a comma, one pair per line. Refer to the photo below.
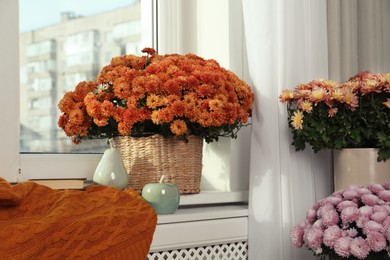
[111,170]
[359,166]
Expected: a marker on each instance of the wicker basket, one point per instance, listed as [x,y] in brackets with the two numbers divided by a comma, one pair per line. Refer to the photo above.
[148,158]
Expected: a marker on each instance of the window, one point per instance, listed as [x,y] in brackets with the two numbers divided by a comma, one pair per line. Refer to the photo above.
[16,67]
[222,45]
[81,35]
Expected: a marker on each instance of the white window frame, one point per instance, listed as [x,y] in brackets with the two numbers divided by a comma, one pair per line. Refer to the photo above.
[177,19]
[13,165]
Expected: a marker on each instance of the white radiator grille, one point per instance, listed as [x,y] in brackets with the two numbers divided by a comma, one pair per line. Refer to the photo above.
[232,251]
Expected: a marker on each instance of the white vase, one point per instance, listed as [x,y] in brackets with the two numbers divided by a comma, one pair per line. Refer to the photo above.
[359,166]
[111,171]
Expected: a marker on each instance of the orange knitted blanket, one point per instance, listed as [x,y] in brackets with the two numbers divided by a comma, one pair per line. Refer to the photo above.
[100,222]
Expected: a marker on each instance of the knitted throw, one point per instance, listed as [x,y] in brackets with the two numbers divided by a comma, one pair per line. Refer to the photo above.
[100,222]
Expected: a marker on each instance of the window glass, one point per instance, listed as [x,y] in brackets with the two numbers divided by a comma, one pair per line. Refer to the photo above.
[62,44]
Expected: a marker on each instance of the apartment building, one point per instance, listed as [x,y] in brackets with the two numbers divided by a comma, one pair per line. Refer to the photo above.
[55,58]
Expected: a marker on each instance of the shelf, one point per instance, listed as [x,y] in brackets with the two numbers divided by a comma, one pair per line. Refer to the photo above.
[214,197]
[204,213]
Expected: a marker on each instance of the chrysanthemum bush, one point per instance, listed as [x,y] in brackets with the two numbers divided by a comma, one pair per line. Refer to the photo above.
[352,223]
[171,95]
[329,115]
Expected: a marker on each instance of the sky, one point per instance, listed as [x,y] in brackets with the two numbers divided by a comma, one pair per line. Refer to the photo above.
[36,14]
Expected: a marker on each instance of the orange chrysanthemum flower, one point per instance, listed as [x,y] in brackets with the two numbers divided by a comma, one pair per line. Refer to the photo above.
[286,95]
[178,127]
[168,94]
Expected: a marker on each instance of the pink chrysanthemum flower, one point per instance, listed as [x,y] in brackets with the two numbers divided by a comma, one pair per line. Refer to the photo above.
[334,200]
[342,246]
[349,214]
[363,191]
[378,208]
[331,234]
[352,222]
[338,193]
[359,248]
[350,194]
[387,234]
[386,185]
[372,226]
[296,236]
[344,204]
[330,218]
[361,222]
[376,241]
[313,238]
[386,223]
[375,188]
[324,208]
[311,215]
[352,232]
[370,199]
[384,195]
[366,211]
[379,216]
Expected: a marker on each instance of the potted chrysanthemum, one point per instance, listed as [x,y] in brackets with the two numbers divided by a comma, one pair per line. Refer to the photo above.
[351,224]
[351,118]
[329,115]
[155,98]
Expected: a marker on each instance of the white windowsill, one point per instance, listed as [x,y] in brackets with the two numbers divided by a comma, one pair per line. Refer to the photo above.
[204,213]
[214,197]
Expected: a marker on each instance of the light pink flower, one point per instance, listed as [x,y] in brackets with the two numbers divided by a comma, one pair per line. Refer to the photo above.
[311,215]
[330,218]
[324,208]
[385,195]
[334,200]
[386,223]
[350,194]
[352,232]
[296,236]
[344,204]
[338,193]
[349,214]
[378,208]
[379,216]
[376,241]
[387,234]
[342,246]
[361,222]
[366,211]
[359,248]
[314,238]
[370,199]
[375,188]
[331,234]
[363,191]
[386,185]
[372,226]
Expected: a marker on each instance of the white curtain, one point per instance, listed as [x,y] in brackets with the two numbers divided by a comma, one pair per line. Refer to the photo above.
[359,37]
[287,45]
[291,42]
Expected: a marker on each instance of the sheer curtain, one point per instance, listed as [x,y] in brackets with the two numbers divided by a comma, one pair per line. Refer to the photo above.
[287,45]
[359,37]
[291,42]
